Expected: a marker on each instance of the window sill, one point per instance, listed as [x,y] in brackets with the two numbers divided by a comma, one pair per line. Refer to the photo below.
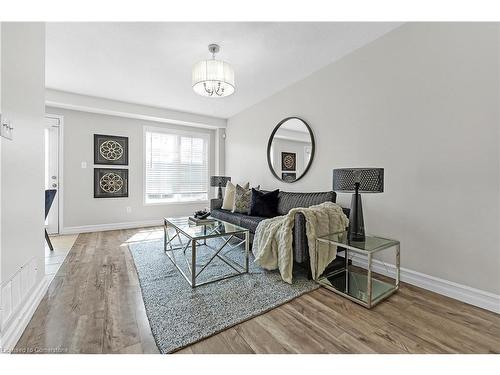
[204,202]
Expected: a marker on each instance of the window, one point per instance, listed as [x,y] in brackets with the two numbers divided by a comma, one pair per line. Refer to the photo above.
[176,167]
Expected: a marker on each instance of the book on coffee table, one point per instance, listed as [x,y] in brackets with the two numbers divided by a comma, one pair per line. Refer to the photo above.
[197,221]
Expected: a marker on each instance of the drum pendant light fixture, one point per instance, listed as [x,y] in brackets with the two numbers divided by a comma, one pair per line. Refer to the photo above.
[213,78]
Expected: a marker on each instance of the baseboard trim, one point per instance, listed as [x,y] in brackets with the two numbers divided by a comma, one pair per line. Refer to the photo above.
[477,297]
[18,324]
[112,226]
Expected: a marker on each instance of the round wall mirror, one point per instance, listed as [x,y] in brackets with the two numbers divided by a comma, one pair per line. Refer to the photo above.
[290,150]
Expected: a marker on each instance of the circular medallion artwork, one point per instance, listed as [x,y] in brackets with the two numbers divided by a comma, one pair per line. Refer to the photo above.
[111,150]
[111,182]
[289,162]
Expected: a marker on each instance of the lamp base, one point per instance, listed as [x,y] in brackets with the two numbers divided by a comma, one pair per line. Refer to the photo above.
[219,195]
[356,230]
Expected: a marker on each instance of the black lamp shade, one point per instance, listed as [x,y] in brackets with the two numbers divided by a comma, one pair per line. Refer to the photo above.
[371,180]
[219,180]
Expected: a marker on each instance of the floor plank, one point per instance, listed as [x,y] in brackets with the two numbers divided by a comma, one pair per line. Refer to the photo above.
[94,305]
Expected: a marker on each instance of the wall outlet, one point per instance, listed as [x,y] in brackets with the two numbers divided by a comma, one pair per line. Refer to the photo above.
[84,164]
[129,209]
[6,129]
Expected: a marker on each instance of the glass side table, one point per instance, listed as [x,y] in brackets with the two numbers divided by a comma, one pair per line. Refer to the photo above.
[356,281]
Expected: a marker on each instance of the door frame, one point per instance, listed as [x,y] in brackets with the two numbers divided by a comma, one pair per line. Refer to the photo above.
[60,160]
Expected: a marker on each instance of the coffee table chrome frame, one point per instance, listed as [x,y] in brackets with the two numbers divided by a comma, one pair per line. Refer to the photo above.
[369,254]
[194,243]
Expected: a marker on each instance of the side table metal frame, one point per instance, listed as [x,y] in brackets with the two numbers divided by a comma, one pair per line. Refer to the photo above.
[369,254]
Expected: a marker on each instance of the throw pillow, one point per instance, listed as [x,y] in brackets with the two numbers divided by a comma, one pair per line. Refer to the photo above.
[264,204]
[228,202]
[242,199]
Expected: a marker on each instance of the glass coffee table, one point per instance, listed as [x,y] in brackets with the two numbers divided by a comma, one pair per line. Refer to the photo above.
[356,281]
[185,242]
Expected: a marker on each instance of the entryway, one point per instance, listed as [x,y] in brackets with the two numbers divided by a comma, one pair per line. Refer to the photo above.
[52,170]
[53,180]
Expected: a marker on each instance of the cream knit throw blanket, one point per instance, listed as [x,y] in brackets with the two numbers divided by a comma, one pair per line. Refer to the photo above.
[272,243]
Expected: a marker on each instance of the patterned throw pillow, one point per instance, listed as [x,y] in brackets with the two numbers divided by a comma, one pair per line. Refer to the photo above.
[228,202]
[242,199]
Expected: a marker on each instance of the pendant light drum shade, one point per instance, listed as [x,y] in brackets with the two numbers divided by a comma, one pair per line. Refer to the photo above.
[213,78]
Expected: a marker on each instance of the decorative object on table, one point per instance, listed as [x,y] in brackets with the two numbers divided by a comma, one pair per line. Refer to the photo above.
[288,177]
[358,180]
[288,161]
[110,183]
[201,220]
[110,149]
[49,198]
[228,202]
[264,204]
[213,78]
[290,148]
[202,214]
[242,198]
[358,285]
[219,181]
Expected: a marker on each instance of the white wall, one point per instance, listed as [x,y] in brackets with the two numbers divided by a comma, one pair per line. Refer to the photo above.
[22,191]
[422,102]
[81,210]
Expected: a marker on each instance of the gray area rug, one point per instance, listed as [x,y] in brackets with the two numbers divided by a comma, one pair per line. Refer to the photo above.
[180,315]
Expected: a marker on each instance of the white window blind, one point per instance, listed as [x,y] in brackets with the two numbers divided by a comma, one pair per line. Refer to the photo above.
[176,167]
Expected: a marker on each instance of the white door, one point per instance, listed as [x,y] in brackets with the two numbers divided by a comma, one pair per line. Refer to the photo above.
[52,171]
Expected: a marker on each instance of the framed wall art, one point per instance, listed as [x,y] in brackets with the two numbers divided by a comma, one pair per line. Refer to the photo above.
[288,161]
[110,149]
[110,183]
[289,177]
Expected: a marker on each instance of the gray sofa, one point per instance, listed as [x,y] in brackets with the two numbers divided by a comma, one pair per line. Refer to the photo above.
[286,201]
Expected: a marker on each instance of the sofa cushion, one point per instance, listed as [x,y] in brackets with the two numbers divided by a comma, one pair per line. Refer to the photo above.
[264,204]
[245,221]
[226,216]
[251,222]
[288,200]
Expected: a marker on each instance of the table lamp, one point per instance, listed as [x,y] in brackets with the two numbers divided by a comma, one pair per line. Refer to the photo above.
[358,180]
[219,181]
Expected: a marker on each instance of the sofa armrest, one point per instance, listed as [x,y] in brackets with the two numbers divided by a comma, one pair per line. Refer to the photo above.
[215,203]
[347,212]
[300,246]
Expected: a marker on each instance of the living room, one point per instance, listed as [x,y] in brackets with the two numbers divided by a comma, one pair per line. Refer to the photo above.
[250,187]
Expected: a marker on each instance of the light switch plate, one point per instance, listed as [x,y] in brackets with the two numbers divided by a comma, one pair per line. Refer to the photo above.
[84,164]
[6,129]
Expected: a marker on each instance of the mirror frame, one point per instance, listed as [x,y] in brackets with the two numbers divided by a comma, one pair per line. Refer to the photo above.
[269,143]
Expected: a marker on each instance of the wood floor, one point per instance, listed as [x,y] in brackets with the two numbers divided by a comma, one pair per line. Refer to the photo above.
[94,305]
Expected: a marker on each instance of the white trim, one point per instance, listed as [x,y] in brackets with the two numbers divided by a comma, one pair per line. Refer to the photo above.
[464,293]
[111,226]
[17,324]
[93,104]
[60,172]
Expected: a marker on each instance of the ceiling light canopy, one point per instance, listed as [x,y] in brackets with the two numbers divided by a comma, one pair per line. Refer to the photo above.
[213,78]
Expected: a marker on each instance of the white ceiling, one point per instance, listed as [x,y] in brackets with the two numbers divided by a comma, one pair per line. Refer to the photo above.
[150,63]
